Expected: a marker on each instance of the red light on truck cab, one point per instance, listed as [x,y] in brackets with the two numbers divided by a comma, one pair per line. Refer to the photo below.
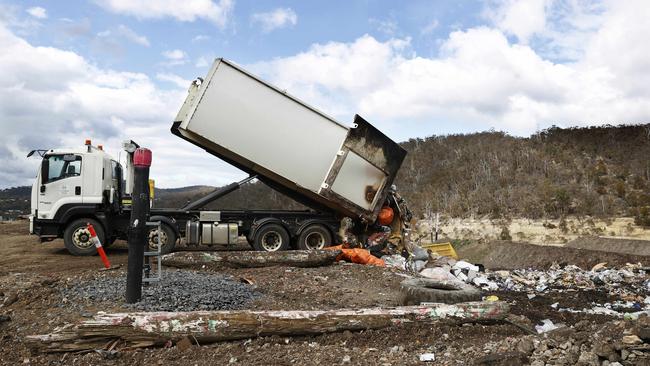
[142,158]
[87,142]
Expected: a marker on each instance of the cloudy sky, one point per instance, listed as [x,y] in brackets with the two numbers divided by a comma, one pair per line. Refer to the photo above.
[116,69]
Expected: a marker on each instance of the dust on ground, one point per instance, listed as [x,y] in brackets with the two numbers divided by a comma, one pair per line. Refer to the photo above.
[33,274]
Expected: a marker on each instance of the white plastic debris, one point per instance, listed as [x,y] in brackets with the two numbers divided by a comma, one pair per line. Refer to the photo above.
[466,266]
[547,326]
[427,357]
[395,261]
[438,274]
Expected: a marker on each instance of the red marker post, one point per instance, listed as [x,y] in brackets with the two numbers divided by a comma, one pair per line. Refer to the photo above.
[98,245]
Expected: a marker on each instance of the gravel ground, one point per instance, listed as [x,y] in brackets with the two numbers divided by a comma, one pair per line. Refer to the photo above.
[179,290]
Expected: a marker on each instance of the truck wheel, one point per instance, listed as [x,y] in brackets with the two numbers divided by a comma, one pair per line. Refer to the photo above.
[167,239]
[314,237]
[77,237]
[271,238]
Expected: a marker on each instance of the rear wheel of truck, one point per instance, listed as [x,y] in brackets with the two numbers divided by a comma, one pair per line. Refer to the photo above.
[167,239]
[77,237]
[271,238]
[314,237]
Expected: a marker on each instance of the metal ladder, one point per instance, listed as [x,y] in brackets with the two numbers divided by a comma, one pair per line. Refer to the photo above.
[147,279]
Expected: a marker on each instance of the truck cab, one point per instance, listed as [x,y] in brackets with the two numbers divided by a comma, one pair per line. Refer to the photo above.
[70,184]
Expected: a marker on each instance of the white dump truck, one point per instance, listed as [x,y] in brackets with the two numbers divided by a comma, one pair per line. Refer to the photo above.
[335,169]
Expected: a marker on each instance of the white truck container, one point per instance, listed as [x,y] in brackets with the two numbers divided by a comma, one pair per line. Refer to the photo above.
[290,145]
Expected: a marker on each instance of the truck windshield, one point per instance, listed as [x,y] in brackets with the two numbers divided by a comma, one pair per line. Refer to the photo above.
[63,166]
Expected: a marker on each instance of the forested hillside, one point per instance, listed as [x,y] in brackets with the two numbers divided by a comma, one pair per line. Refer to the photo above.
[597,171]
[600,171]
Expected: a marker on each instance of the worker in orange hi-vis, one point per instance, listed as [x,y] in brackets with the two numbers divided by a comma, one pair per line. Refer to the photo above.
[98,245]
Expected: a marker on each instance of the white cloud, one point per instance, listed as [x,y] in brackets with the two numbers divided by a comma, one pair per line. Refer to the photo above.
[174,54]
[202,62]
[174,79]
[200,38]
[521,18]
[561,29]
[122,31]
[51,98]
[480,79]
[275,19]
[37,12]
[185,11]
[174,57]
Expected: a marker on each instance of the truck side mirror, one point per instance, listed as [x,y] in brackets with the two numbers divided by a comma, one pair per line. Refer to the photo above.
[45,171]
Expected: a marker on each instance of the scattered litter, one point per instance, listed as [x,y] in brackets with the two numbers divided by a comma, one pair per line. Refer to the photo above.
[395,261]
[598,267]
[427,357]
[547,326]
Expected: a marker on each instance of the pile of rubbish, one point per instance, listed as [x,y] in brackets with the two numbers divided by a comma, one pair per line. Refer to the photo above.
[625,282]
[630,283]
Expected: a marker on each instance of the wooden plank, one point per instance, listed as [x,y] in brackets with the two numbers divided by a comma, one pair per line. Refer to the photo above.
[156,328]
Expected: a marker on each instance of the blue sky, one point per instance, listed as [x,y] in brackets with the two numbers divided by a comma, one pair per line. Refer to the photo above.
[117,69]
[76,27]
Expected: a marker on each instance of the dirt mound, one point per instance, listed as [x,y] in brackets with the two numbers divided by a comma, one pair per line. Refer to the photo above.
[508,255]
[626,246]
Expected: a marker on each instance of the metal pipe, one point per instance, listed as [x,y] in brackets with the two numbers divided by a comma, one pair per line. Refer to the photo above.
[137,236]
[217,193]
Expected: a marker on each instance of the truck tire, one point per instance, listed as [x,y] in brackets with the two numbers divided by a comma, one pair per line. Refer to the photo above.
[77,237]
[167,239]
[415,291]
[314,237]
[271,238]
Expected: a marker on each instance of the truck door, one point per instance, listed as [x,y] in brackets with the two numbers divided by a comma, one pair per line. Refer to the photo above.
[60,183]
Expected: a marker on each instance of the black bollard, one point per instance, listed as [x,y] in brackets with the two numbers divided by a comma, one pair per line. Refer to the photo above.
[137,236]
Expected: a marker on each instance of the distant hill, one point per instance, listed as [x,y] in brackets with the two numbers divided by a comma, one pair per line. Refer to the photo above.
[597,171]
[14,201]
[251,196]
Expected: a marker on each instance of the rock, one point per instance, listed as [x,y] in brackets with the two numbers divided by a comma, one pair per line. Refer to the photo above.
[604,350]
[624,354]
[10,299]
[346,359]
[631,339]
[184,344]
[588,358]
[503,359]
[643,332]
[526,346]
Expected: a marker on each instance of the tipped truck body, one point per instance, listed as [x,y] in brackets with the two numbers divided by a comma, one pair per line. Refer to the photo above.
[290,145]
